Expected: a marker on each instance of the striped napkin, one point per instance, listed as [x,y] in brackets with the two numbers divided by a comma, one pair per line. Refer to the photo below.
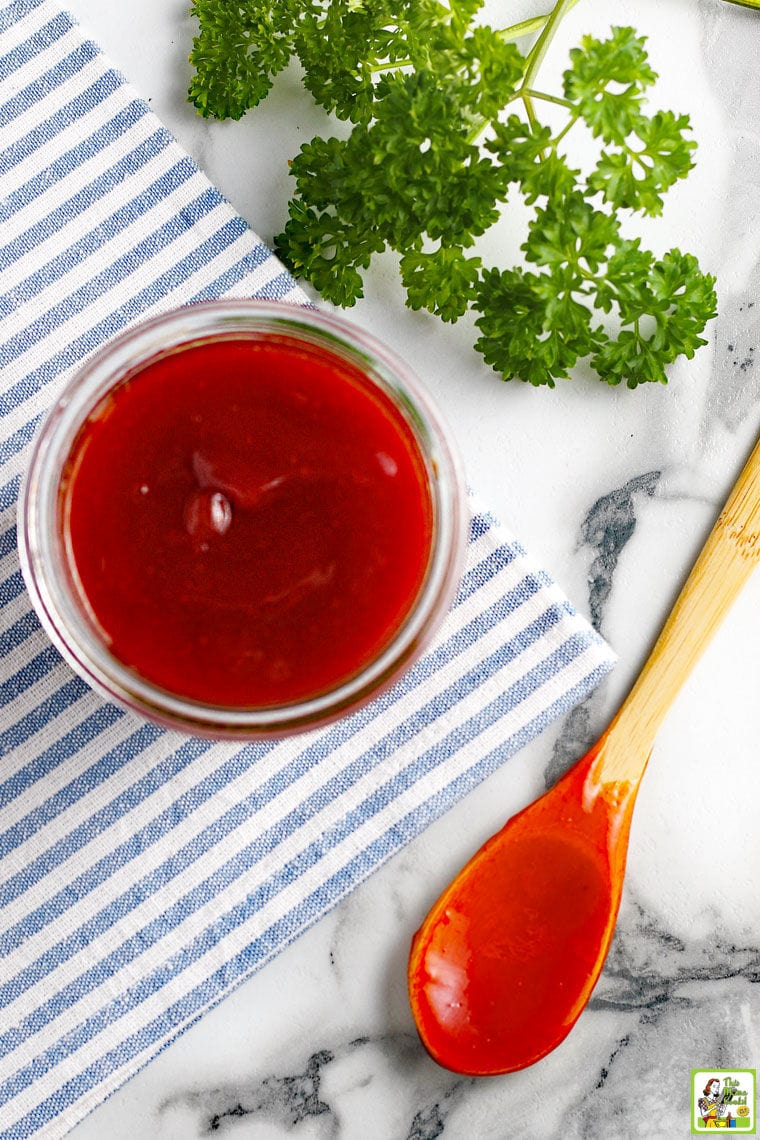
[145,874]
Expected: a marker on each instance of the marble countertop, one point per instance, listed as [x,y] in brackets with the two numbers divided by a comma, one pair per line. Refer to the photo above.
[614,492]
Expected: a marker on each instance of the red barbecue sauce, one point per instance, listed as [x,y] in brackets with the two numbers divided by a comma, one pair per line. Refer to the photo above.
[509,954]
[249,521]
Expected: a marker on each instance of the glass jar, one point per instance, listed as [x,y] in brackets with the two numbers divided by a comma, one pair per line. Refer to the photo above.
[49,562]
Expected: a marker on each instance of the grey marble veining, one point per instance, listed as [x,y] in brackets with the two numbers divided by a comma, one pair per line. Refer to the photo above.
[314,1094]
[615,492]
[608,526]
[606,529]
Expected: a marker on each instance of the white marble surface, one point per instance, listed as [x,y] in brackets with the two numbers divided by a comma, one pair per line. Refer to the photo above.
[614,492]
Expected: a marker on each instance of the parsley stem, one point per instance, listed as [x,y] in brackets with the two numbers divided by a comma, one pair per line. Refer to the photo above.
[529,110]
[636,156]
[538,51]
[534,24]
[571,122]
[536,55]
[390,65]
[528,94]
[549,98]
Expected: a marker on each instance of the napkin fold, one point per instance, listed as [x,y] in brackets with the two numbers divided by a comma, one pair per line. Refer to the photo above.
[144,874]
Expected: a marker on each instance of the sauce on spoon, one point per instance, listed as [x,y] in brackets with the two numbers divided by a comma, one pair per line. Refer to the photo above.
[506,960]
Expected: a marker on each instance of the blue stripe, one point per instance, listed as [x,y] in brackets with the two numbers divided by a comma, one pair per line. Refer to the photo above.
[40,88]
[264,843]
[41,39]
[58,802]
[117,271]
[17,633]
[8,541]
[137,844]
[111,762]
[278,288]
[29,675]
[477,576]
[105,85]
[145,987]
[9,493]
[273,290]
[11,588]
[479,526]
[37,718]
[46,762]
[66,214]
[15,11]
[133,307]
[88,148]
[18,440]
[445,798]
[91,241]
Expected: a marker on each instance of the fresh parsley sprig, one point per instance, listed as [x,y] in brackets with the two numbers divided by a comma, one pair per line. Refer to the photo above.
[437,148]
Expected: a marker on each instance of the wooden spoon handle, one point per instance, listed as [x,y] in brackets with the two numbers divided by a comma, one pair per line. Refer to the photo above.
[723,566]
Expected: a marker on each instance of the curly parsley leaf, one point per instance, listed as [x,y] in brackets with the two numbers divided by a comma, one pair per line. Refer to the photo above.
[637,176]
[666,303]
[569,231]
[441,281]
[238,51]
[596,66]
[531,326]
[528,157]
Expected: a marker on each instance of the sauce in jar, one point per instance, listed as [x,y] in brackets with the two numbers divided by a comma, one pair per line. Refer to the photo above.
[248,521]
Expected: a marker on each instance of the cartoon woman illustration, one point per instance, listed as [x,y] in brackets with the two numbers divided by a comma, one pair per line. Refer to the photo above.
[711,1106]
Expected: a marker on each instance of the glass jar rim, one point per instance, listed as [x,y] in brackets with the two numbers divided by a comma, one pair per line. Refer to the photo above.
[44,568]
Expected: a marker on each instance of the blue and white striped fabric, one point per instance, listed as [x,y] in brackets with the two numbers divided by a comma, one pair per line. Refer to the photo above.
[145,874]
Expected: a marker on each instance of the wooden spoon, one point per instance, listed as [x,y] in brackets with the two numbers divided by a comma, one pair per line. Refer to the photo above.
[507,958]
